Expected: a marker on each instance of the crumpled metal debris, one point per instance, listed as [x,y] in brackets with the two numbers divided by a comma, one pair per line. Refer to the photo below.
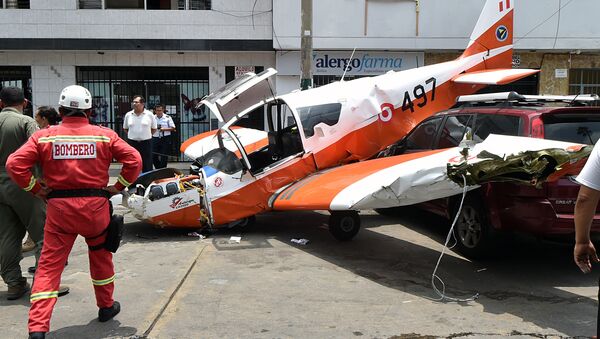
[196,234]
[527,168]
[300,241]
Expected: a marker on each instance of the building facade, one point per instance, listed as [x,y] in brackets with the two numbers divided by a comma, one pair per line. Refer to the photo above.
[176,51]
[173,52]
[561,38]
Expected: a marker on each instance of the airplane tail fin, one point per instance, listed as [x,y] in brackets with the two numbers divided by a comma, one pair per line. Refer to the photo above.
[493,34]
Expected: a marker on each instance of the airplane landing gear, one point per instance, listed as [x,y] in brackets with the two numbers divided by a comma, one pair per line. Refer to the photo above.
[344,225]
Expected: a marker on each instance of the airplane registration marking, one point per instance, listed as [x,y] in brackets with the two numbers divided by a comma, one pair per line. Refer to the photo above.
[419,92]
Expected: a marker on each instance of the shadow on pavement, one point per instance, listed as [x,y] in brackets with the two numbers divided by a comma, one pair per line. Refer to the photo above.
[93,329]
[527,276]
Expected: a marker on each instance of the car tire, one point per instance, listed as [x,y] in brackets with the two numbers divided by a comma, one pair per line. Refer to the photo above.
[474,235]
[344,225]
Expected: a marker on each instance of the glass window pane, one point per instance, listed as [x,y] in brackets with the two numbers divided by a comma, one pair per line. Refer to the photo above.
[311,116]
[90,4]
[486,124]
[125,4]
[581,129]
[23,4]
[160,4]
[199,4]
[454,129]
[421,138]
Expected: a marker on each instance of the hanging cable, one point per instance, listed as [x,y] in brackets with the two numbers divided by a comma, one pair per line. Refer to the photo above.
[434,277]
[543,22]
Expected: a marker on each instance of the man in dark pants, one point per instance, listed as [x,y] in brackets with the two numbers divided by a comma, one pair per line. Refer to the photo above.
[161,139]
[139,124]
[585,210]
[19,210]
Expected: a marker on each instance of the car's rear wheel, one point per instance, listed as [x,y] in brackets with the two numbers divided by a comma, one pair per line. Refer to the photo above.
[473,233]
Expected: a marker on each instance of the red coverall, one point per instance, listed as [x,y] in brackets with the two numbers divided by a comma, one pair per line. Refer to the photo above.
[73,155]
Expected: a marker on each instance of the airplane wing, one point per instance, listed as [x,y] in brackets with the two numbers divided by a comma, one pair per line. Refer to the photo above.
[412,178]
[251,139]
[493,77]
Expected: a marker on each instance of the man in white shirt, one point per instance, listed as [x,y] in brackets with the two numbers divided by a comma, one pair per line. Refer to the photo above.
[161,139]
[139,124]
[584,253]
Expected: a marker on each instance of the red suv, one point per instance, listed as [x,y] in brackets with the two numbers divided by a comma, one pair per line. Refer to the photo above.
[499,207]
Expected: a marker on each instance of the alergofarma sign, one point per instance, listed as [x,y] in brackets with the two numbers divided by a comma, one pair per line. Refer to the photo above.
[364,63]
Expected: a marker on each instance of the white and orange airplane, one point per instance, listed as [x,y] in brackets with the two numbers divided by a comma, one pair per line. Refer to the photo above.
[314,155]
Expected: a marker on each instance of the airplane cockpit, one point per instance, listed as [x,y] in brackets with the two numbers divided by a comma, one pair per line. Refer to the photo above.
[283,137]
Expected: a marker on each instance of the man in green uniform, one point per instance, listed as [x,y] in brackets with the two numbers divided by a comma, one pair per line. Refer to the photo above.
[19,210]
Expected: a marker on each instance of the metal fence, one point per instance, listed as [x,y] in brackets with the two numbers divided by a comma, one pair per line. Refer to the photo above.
[179,89]
[584,81]
[18,76]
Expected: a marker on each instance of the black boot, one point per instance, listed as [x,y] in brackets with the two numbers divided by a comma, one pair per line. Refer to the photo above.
[37,335]
[107,313]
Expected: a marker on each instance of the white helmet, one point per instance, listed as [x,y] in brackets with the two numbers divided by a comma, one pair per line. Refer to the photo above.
[76,97]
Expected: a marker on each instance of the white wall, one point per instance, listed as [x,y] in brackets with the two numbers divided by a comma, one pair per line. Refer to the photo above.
[443,24]
[60,19]
[52,71]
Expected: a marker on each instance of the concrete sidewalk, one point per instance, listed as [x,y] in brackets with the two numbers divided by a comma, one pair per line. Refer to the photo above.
[173,284]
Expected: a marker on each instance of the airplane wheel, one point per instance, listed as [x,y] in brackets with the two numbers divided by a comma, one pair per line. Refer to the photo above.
[344,225]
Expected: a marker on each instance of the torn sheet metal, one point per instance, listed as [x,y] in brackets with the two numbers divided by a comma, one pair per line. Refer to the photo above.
[531,167]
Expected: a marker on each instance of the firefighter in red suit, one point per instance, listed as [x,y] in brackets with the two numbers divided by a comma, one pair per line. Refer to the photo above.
[75,157]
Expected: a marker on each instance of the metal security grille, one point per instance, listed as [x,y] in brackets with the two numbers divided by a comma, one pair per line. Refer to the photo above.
[584,81]
[18,77]
[179,89]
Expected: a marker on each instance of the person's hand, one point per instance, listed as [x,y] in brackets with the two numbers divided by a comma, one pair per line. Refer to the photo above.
[584,255]
[43,192]
[112,190]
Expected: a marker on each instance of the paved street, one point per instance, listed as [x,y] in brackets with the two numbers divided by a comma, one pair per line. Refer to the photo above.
[172,285]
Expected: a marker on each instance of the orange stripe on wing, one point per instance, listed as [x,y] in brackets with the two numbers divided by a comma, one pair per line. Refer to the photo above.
[318,191]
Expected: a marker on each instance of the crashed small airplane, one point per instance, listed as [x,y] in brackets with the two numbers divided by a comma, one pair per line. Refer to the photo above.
[315,153]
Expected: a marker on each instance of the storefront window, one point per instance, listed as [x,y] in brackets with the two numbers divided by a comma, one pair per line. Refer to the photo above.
[179,89]
[584,81]
[18,77]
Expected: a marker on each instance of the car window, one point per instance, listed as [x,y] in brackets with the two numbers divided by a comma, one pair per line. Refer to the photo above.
[454,129]
[578,129]
[310,116]
[423,135]
[486,124]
